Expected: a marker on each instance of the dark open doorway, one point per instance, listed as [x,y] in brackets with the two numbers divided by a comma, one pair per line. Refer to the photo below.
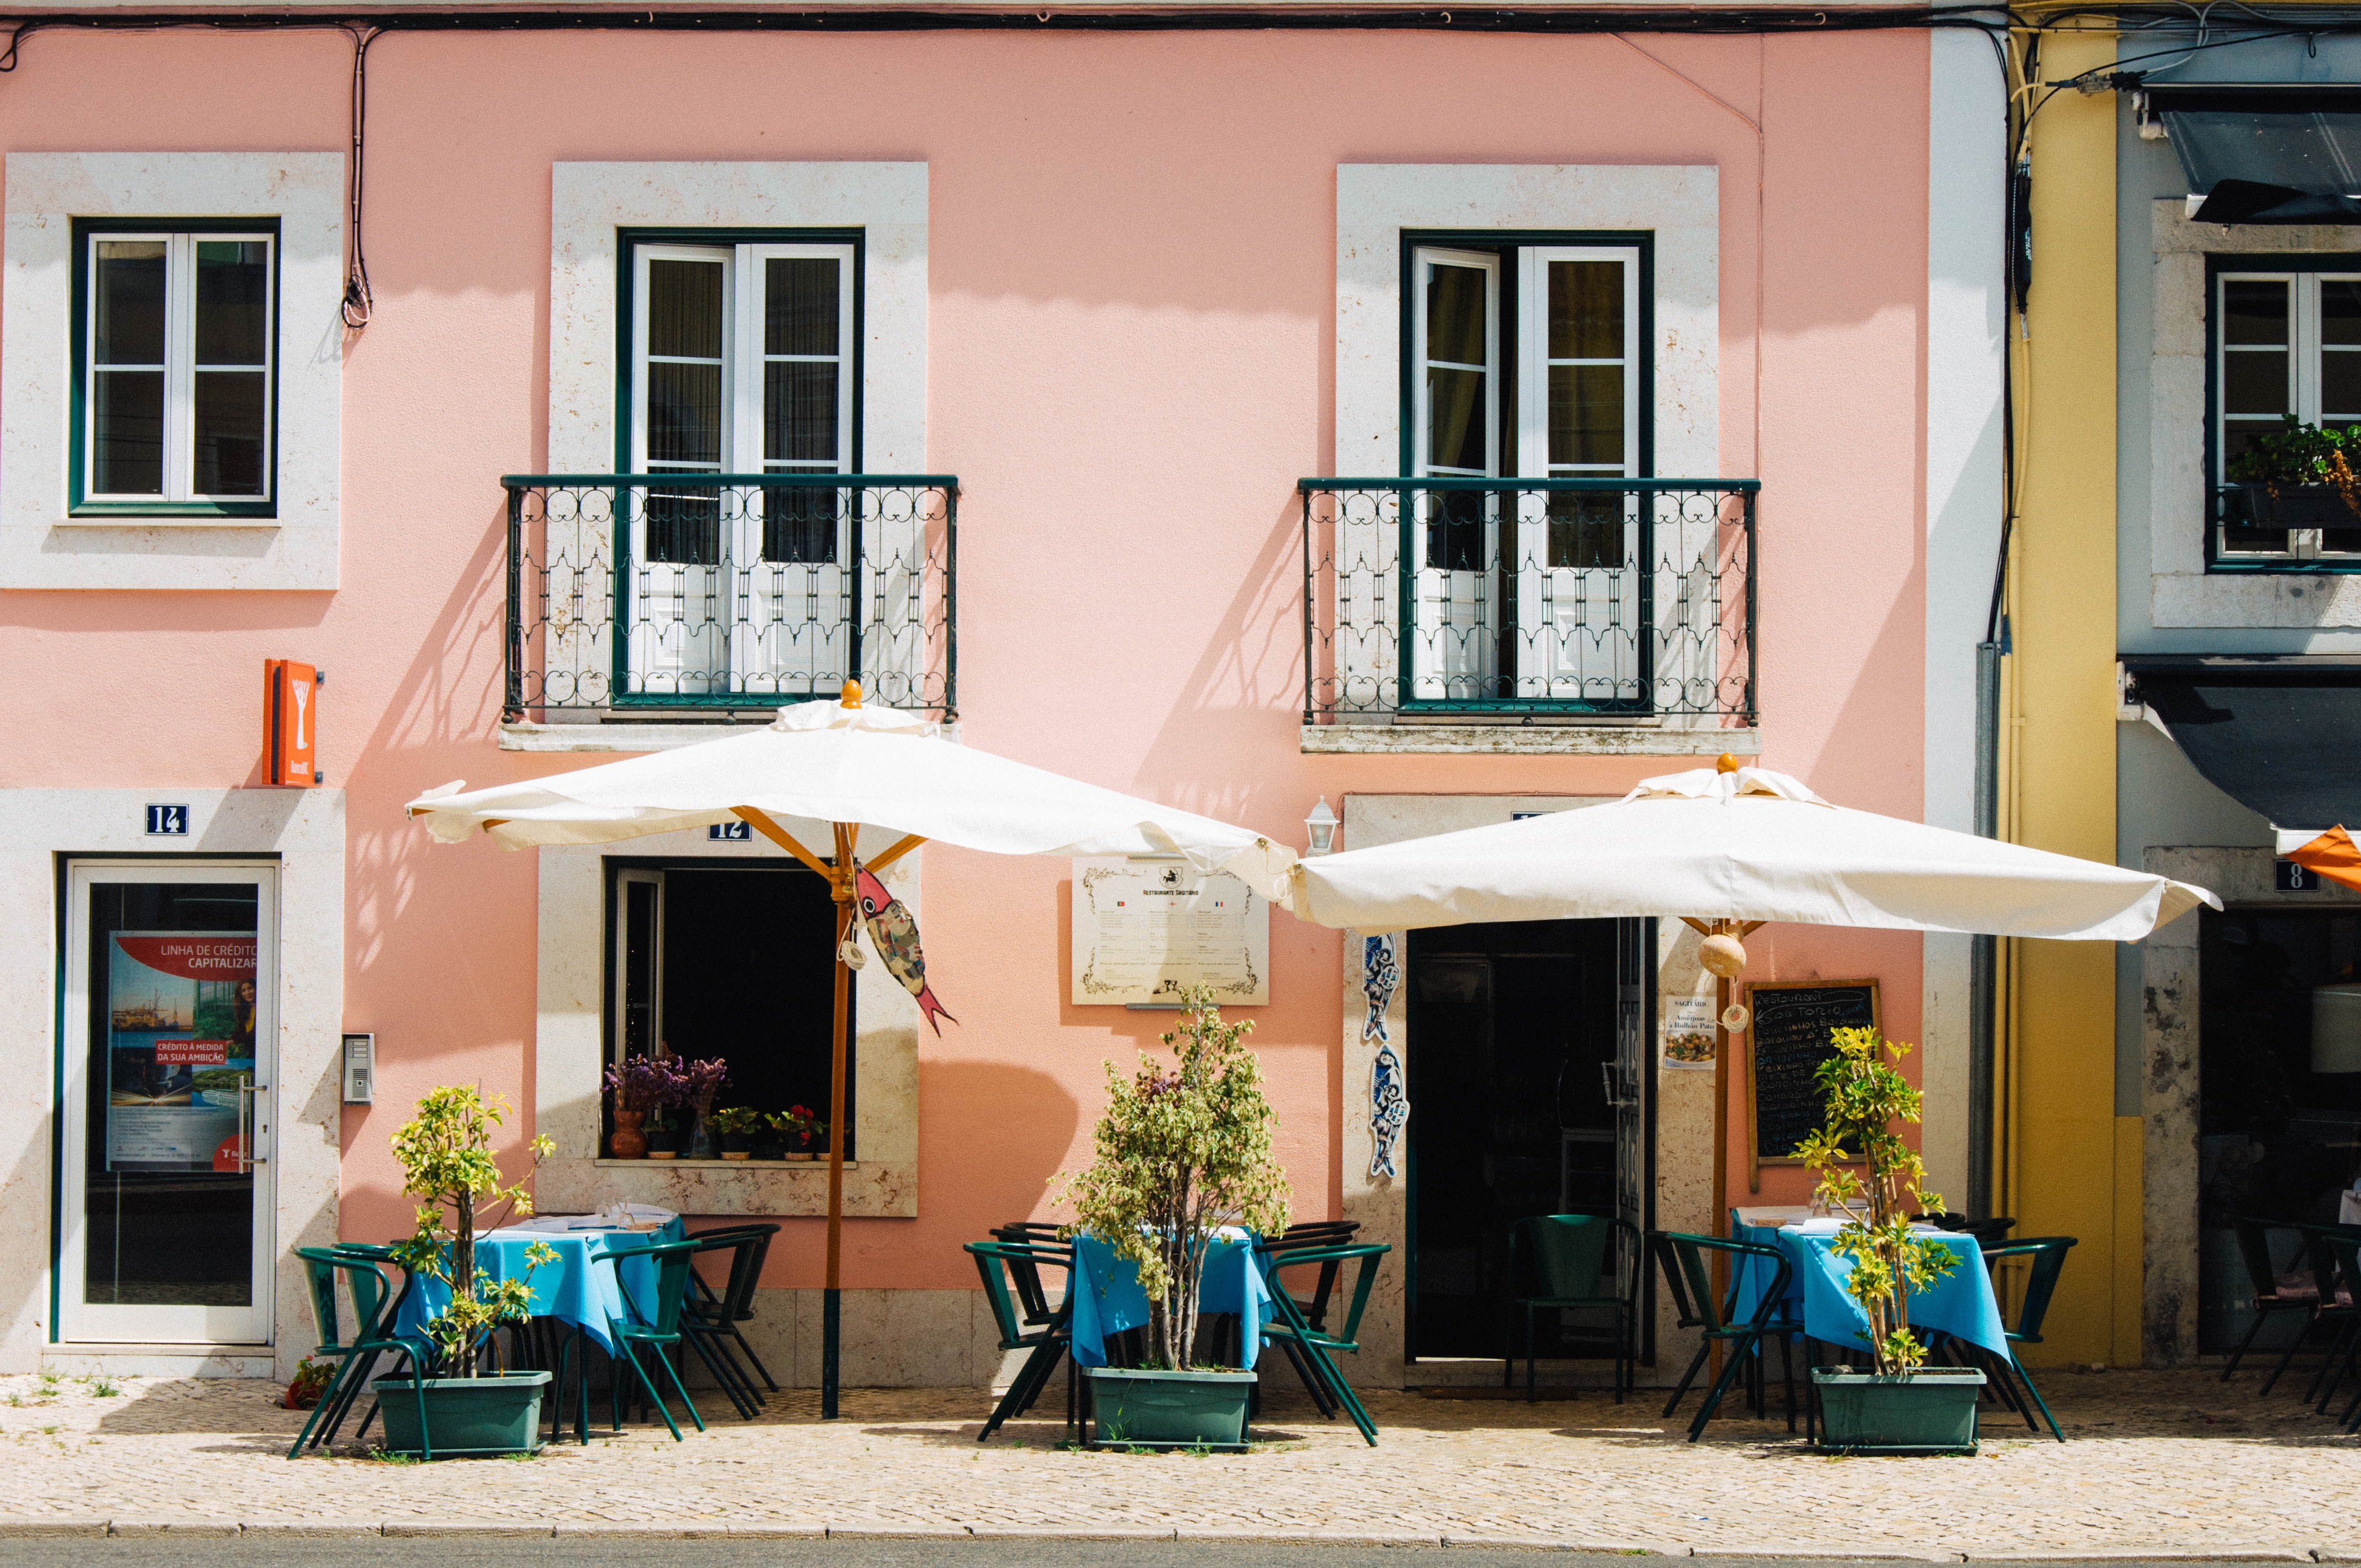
[1528,1088]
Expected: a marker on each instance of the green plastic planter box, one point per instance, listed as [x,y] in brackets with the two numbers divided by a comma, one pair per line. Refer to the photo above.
[465,1416]
[1135,1408]
[1930,1410]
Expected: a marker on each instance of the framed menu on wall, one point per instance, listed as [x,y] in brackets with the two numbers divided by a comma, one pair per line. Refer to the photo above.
[1786,1041]
[1147,929]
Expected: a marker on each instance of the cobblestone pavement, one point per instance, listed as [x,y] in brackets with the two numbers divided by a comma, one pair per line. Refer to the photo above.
[2173,1463]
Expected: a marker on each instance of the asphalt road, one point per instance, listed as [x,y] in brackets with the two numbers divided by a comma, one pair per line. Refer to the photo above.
[530,1553]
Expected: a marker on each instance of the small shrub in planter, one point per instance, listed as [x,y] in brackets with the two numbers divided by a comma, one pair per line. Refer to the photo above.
[447,1159]
[1182,1151]
[1901,1403]
[664,1140]
[737,1125]
[793,1128]
[2299,475]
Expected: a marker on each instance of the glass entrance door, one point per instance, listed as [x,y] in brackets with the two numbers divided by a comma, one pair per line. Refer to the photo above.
[166,1116]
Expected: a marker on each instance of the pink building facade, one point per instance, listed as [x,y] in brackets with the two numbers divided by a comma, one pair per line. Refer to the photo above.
[1096,302]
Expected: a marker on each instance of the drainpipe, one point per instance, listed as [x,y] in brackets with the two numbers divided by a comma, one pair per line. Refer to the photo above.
[1984,951]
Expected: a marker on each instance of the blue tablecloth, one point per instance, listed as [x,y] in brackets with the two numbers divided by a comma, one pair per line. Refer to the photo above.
[574,1288]
[1107,1297]
[1961,1303]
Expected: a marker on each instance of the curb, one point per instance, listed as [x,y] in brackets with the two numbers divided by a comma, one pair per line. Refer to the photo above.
[714,1529]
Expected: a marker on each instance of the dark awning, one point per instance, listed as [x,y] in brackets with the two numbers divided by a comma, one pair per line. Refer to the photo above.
[2266,155]
[2283,736]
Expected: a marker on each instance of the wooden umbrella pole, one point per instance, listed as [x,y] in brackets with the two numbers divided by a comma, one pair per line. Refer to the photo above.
[1720,1143]
[841,888]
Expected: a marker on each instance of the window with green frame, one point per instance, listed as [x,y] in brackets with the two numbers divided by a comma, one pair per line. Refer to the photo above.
[175,366]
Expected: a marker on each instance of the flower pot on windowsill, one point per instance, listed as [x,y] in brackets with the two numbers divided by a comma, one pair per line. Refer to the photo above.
[1133,1408]
[798,1154]
[2282,504]
[627,1141]
[737,1146]
[663,1143]
[1930,1410]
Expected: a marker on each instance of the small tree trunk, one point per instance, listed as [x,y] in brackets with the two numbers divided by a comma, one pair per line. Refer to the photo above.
[463,1269]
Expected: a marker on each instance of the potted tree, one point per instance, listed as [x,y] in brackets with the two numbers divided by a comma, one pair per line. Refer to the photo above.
[737,1124]
[2299,476]
[447,1159]
[1900,1403]
[1182,1151]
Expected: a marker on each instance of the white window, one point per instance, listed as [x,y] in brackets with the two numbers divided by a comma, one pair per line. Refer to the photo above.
[741,365]
[2288,345]
[1526,595]
[176,368]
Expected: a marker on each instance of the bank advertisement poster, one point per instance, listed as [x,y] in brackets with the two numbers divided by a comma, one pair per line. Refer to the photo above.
[179,1040]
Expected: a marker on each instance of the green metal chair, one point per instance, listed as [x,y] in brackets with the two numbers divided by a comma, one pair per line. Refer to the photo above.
[657,1328]
[1681,1259]
[706,1299]
[1047,1338]
[1562,1258]
[2049,1255]
[710,1318]
[375,1306]
[1317,1347]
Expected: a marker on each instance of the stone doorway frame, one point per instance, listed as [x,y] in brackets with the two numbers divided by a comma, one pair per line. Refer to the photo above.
[2170,1039]
[1681,1103]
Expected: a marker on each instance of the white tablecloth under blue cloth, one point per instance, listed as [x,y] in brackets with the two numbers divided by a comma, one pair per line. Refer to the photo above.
[1107,1297]
[1961,1303]
[575,1289]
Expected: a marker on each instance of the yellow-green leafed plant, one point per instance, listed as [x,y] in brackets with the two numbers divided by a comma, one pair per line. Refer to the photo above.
[445,1154]
[1866,1097]
[1182,1151]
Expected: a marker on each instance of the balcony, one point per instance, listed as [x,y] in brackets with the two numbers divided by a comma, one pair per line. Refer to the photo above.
[650,596]
[1607,603]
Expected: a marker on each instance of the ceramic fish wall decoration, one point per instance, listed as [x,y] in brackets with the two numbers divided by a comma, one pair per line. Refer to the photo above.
[894,935]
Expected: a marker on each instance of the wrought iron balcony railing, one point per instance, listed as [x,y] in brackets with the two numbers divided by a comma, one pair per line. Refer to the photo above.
[648,592]
[1610,599]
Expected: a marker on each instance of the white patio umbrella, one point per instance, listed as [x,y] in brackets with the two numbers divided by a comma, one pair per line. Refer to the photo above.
[1726,849]
[810,782]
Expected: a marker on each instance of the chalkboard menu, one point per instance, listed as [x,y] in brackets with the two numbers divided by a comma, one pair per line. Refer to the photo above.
[1787,1043]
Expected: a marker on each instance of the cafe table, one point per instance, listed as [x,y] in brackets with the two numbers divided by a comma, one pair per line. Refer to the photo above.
[1107,1297]
[575,1289]
[1961,1303]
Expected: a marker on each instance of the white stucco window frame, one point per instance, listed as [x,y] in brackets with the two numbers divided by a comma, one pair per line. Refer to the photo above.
[2182,592]
[1680,206]
[570,1044]
[304,831]
[591,204]
[41,545]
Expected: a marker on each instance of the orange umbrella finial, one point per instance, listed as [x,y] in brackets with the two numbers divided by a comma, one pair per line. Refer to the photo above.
[1726,764]
[851,697]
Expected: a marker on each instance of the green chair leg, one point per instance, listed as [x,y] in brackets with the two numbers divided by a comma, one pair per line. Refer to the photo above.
[631,1352]
[2039,1403]
[665,1360]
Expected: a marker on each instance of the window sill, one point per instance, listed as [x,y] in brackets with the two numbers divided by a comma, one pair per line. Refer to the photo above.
[1622,739]
[136,519]
[873,1189]
[653,736]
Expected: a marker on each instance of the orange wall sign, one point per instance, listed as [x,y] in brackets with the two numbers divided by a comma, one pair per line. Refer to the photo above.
[291,722]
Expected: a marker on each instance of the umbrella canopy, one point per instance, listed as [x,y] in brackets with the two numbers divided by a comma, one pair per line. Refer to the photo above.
[1749,845]
[820,764]
[810,782]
